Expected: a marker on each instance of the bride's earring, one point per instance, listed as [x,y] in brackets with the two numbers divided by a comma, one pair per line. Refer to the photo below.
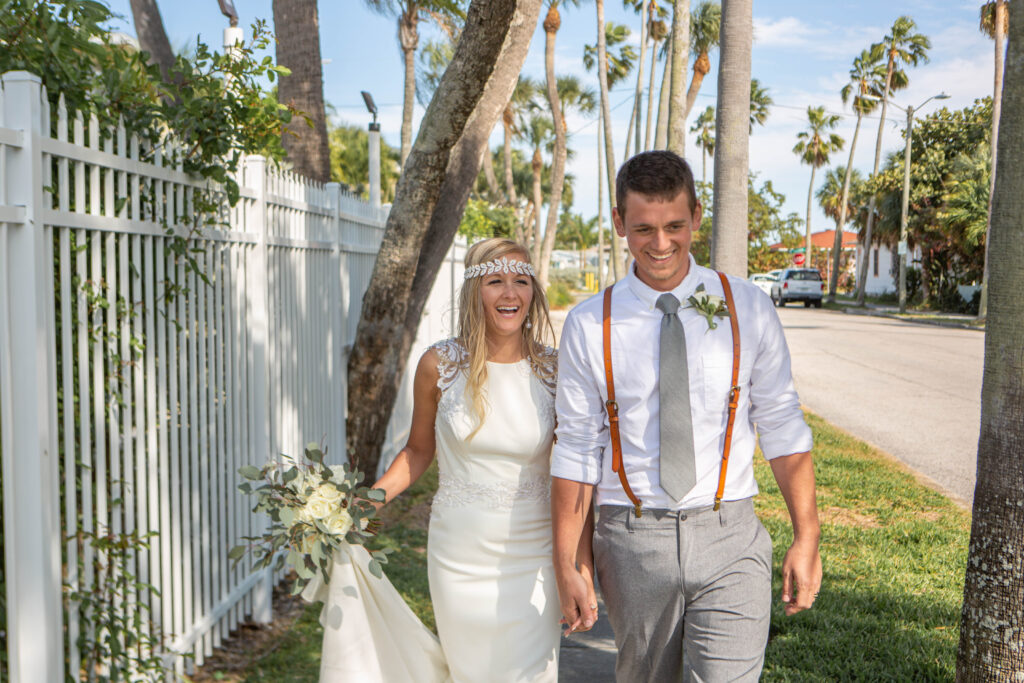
[528,324]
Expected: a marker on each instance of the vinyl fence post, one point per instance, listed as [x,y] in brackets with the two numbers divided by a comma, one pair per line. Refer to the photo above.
[28,371]
[259,306]
[339,313]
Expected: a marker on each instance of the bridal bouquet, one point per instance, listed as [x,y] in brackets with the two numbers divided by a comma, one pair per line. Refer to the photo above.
[314,509]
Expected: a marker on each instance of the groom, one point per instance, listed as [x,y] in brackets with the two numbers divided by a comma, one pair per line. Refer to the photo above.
[686,579]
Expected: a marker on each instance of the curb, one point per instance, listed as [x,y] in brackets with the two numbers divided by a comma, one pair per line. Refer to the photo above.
[851,310]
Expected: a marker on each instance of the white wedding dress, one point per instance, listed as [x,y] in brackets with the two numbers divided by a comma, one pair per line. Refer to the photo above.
[492,582]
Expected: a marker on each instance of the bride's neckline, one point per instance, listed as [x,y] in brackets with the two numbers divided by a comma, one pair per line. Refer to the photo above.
[515,362]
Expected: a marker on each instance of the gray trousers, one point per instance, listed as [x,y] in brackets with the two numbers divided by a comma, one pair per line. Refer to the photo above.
[688,593]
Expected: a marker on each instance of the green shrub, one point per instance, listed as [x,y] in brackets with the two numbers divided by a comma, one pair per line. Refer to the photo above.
[559,295]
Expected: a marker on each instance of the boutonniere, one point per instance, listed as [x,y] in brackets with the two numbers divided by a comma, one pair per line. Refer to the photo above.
[708,305]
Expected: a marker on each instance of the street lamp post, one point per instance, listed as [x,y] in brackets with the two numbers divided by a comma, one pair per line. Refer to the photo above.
[901,249]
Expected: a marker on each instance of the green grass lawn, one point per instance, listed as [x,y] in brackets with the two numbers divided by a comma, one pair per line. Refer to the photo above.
[893,552]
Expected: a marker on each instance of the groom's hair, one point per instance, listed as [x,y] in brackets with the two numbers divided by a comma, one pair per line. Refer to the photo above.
[659,174]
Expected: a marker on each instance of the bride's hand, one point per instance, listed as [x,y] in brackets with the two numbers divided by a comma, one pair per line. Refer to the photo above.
[577,600]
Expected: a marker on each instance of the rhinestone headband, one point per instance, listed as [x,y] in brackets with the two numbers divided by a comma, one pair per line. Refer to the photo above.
[500,265]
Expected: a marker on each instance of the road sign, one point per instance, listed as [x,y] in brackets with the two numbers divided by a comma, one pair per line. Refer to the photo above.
[798,259]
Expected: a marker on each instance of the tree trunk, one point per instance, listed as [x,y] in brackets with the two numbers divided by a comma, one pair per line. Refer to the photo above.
[609,149]
[701,67]
[429,200]
[638,95]
[661,129]
[490,176]
[600,209]
[808,247]
[537,166]
[992,620]
[558,158]
[297,29]
[732,126]
[837,245]
[650,95]
[408,38]
[510,184]
[862,284]
[677,94]
[997,105]
[149,28]
[528,226]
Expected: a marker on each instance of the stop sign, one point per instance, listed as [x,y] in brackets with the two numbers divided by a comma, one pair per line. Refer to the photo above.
[798,259]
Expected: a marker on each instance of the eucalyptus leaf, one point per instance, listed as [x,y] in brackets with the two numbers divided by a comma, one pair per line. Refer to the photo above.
[237,552]
[375,569]
[251,472]
[377,495]
[287,516]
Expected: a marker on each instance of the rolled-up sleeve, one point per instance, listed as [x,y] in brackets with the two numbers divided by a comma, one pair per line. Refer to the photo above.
[774,403]
[579,405]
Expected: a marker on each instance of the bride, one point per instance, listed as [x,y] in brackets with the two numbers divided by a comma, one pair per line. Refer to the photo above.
[484,401]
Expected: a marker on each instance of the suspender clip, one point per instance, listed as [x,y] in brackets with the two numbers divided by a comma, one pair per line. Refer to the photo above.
[718,503]
[636,509]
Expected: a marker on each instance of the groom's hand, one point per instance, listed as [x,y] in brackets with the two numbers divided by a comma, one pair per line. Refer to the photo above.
[577,599]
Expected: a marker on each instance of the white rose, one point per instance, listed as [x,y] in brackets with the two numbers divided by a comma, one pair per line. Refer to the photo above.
[317,507]
[338,473]
[338,523]
[329,493]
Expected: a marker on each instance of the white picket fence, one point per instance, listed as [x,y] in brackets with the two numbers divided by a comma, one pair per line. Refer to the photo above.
[124,407]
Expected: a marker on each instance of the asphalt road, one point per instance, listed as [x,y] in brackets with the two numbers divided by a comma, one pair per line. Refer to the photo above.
[912,390]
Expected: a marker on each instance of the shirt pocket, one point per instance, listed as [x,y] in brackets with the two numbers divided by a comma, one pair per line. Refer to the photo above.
[717,383]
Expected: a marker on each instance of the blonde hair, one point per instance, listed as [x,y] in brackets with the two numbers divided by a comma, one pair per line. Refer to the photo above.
[472,331]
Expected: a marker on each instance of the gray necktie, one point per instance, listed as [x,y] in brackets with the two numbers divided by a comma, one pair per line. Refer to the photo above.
[678,470]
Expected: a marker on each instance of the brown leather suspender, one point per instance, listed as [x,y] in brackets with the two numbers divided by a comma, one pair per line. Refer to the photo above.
[613,407]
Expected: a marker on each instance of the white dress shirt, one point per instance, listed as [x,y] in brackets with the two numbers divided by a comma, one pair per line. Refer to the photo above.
[767,399]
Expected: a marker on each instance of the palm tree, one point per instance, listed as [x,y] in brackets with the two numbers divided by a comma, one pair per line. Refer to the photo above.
[571,95]
[760,102]
[834,199]
[992,623]
[658,31]
[149,28]
[538,135]
[409,14]
[704,127]
[297,29]
[677,90]
[705,26]
[616,68]
[814,147]
[901,46]
[552,22]
[995,20]
[606,122]
[729,222]
[633,130]
[525,91]
[867,79]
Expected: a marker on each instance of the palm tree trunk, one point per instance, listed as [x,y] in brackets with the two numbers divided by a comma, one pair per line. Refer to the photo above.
[510,184]
[558,158]
[490,176]
[297,28]
[997,106]
[732,125]
[703,165]
[489,56]
[701,67]
[677,94]
[650,94]
[837,245]
[661,130]
[527,224]
[807,242]
[992,622]
[638,96]
[149,27]
[600,211]
[536,234]
[408,37]
[606,119]
[862,284]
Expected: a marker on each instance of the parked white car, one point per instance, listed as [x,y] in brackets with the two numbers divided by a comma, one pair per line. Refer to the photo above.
[763,281]
[798,284]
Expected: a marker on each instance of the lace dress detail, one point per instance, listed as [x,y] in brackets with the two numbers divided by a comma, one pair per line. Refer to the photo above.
[455,492]
[453,360]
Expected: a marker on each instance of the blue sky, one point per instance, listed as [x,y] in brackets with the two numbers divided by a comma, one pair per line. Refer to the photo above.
[802,54]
